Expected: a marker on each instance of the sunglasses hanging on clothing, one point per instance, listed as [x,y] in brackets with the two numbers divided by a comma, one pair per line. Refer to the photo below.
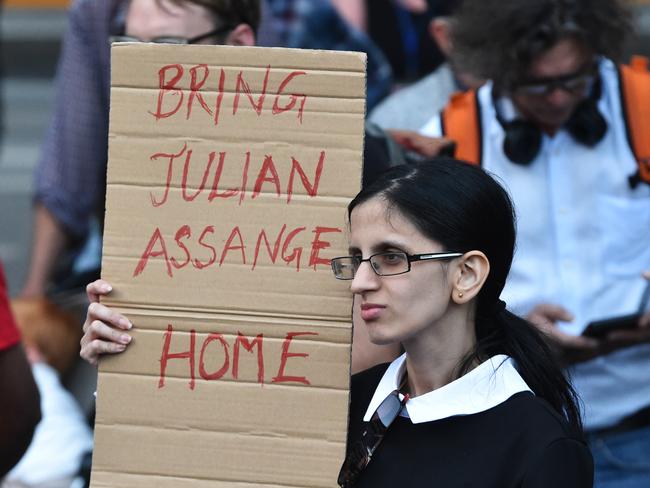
[523,139]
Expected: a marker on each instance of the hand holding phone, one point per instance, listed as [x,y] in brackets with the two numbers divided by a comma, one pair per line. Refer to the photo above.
[600,328]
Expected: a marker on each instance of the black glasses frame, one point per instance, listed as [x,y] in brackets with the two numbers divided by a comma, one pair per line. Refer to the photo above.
[173,39]
[577,83]
[357,260]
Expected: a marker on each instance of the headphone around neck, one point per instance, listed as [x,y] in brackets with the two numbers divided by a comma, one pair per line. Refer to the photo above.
[523,139]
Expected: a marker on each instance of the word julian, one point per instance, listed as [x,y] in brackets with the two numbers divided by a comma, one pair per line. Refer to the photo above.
[266,178]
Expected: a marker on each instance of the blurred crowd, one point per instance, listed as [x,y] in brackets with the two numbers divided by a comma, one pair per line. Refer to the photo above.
[540,93]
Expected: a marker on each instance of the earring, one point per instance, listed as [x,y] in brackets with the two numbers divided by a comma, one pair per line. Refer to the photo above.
[460,294]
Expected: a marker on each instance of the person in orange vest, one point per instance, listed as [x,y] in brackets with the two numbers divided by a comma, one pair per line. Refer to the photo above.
[567,131]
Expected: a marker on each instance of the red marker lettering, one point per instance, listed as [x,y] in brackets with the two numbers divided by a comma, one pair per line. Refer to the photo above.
[276,247]
[242,340]
[312,189]
[241,84]
[293,97]
[184,231]
[226,360]
[317,245]
[166,356]
[282,377]
[297,251]
[198,264]
[168,88]
[267,166]
[149,252]
[195,86]
[217,107]
[158,203]
[228,247]
[186,169]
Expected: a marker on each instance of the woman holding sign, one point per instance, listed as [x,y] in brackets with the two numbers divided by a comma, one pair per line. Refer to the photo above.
[476,399]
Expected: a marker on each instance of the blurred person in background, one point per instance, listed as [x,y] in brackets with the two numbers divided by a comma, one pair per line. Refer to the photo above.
[60,449]
[399,29]
[19,398]
[566,130]
[320,24]
[413,106]
[70,179]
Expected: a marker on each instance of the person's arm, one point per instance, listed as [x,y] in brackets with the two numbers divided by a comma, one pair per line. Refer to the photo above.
[49,241]
[19,408]
[565,463]
[69,182]
[425,146]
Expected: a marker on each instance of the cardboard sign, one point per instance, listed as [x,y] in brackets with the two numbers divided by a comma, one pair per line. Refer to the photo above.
[229,173]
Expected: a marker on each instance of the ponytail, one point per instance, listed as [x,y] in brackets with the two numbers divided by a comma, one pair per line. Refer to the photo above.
[506,333]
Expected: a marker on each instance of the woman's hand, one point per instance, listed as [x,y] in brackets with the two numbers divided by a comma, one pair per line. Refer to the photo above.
[103,328]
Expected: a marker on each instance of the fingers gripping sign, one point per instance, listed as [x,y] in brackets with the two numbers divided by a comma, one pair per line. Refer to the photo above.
[104,329]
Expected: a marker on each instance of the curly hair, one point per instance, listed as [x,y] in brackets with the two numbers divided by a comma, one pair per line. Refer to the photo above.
[498,39]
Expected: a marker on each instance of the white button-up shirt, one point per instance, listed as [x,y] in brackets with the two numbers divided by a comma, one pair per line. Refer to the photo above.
[583,240]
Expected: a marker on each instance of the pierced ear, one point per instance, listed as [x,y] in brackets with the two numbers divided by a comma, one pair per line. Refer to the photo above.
[242,35]
[469,276]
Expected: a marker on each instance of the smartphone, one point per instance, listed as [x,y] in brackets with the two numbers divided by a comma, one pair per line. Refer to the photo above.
[600,328]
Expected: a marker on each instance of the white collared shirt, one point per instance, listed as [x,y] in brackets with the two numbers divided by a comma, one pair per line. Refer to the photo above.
[486,386]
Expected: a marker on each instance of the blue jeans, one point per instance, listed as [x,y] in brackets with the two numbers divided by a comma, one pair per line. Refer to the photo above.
[622,460]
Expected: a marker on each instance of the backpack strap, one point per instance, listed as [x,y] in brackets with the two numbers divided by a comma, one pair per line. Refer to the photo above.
[461,122]
[634,82]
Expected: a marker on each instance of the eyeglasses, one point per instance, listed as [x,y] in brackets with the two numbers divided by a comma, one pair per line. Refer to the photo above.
[173,39]
[359,454]
[384,263]
[575,84]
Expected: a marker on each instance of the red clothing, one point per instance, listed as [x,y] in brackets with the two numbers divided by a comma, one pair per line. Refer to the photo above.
[9,335]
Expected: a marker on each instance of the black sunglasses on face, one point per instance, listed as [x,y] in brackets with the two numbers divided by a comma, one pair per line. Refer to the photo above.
[579,83]
[384,263]
[173,39]
[359,454]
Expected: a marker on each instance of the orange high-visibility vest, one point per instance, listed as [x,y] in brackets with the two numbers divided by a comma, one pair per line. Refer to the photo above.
[461,119]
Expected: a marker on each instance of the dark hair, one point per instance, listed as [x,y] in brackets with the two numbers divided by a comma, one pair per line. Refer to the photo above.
[442,8]
[464,209]
[232,12]
[498,39]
